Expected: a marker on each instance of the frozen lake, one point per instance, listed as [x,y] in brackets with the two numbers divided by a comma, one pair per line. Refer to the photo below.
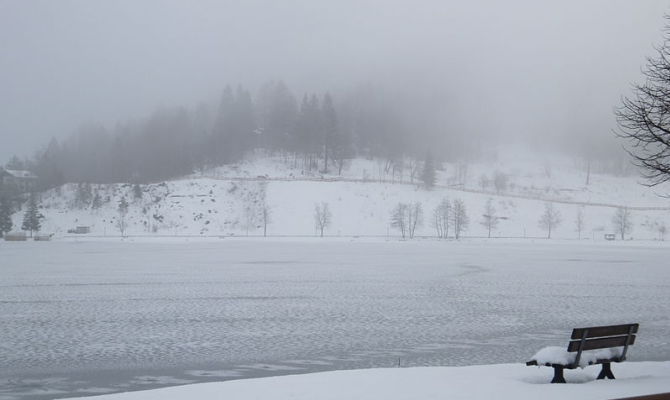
[95,317]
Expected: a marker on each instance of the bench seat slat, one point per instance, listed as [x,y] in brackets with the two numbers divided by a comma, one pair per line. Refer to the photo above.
[599,331]
[602,343]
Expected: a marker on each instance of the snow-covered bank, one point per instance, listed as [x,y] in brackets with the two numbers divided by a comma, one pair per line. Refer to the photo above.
[231,200]
[503,381]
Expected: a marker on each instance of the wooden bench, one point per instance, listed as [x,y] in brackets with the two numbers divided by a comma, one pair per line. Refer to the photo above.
[593,338]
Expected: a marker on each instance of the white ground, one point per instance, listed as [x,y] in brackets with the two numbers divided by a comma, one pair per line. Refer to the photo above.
[506,381]
[226,200]
[93,316]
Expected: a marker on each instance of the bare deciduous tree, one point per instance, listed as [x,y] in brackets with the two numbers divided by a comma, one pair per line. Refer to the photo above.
[322,217]
[266,217]
[441,218]
[406,217]
[579,222]
[459,218]
[549,219]
[622,222]
[414,167]
[489,218]
[644,117]
[249,218]
[662,229]
[414,218]
[399,218]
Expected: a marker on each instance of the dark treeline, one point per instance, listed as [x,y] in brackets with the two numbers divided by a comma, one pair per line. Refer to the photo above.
[314,132]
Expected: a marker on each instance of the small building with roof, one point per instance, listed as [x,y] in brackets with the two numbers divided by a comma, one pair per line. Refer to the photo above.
[21,181]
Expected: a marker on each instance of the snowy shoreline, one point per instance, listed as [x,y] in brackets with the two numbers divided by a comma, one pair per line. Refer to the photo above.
[467,240]
[472,382]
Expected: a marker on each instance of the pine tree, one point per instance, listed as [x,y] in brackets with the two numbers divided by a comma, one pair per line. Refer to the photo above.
[5,216]
[123,212]
[137,191]
[32,217]
[84,195]
[330,128]
[96,203]
[428,173]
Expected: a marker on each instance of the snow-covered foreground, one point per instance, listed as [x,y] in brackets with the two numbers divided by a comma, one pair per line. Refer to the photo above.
[505,381]
[87,317]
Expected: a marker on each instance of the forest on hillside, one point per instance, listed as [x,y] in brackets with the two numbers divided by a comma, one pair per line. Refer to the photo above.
[316,132]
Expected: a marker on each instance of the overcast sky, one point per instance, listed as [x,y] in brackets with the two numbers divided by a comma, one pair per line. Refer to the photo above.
[510,67]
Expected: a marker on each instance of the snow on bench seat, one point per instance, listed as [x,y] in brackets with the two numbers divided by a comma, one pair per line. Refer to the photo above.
[559,355]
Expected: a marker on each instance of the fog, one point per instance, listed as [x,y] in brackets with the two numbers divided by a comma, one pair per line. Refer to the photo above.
[516,69]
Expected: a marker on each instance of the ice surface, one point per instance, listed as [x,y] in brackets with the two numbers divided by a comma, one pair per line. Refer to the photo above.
[109,314]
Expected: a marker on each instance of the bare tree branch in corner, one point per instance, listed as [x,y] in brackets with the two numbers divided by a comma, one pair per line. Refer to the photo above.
[644,117]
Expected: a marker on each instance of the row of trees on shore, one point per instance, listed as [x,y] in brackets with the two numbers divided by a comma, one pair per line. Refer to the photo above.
[448,218]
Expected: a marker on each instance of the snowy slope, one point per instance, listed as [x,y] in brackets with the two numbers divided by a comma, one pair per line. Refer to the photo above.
[227,200]
[506,381]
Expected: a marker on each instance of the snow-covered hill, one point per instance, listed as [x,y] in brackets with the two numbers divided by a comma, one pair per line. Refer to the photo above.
[229,200]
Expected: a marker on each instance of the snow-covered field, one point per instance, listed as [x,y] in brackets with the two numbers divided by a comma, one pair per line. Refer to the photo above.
[81,317]
[228,200]
[506,381]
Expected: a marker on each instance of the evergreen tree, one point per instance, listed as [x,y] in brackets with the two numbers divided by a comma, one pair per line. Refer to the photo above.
[330,128]
[32,217]
[244,126]
[219,150]
[277,112]
[308,130]
[137,191]
[83,195]
[123,212]
[96,203]
[5,216]
[302,127]
[428,173]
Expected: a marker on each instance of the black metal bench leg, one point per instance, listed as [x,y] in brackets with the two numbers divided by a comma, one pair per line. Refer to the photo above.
[558,374]
[606,372]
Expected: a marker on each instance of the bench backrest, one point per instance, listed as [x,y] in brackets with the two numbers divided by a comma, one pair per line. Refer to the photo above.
[602,337]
